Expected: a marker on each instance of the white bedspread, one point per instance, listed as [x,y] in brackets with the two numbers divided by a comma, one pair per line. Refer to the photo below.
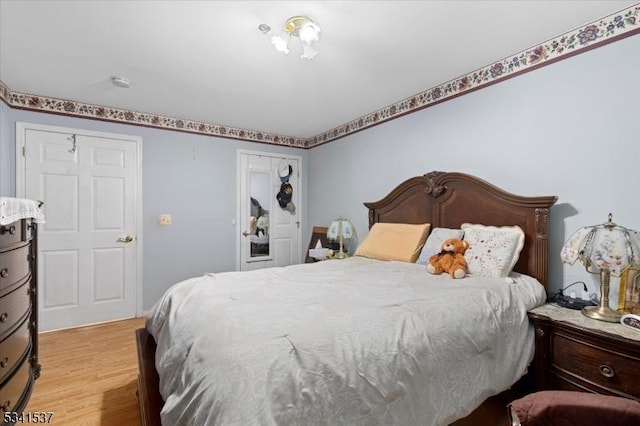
[339,342]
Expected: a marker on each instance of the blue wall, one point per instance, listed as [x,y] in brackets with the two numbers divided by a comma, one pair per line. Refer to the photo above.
[568,129]
[192,177]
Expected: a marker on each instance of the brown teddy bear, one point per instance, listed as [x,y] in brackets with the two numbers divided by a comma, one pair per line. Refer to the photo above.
[450,259]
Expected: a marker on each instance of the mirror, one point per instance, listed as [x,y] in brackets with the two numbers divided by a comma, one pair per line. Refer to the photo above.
[258,215]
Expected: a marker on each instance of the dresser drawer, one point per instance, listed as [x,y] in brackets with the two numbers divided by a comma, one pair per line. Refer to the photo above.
[13,308]
[13,348]
[14,267]
[13,233]
[613,371]
[14,389]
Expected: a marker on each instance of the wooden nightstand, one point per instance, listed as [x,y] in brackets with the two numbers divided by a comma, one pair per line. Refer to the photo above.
[319,233]
[574,352]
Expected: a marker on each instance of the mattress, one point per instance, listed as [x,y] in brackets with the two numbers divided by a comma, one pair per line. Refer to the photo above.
[339,342]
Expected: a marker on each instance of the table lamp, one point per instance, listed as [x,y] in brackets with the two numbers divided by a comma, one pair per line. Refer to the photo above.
[605,249]
[340,229]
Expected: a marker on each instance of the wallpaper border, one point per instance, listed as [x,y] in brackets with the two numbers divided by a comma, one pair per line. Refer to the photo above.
[616,26]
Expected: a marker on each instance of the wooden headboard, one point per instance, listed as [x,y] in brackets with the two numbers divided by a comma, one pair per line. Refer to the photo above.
[450,199]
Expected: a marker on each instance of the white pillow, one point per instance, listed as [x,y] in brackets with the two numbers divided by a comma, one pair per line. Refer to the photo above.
[493,251]
[434,242]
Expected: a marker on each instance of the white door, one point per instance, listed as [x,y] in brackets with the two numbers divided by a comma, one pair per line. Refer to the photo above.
[269,233]
[88,246]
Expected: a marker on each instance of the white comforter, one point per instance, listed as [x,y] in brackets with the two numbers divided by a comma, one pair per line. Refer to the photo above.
[349,342]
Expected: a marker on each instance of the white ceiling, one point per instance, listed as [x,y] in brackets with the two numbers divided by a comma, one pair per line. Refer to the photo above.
[207,60]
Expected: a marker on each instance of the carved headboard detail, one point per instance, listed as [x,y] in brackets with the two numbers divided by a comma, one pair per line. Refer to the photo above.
[449,199]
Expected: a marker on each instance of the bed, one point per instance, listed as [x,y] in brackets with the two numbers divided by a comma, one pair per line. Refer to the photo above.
[329,343]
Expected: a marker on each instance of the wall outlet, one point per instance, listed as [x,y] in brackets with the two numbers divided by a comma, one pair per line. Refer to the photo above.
[165,219]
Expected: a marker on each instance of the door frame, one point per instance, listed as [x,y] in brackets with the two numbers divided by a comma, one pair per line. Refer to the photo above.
[22,127]
[238,225]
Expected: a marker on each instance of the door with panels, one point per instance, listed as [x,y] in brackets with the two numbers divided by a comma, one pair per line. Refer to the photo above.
[88,269]
[268,210]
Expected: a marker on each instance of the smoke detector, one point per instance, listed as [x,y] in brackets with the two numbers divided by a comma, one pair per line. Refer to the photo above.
[121,82]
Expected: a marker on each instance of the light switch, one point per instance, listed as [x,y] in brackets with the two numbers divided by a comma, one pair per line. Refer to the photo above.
[165,219]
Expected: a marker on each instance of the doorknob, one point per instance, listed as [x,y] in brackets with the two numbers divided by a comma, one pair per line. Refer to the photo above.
[126,239]
[245,233]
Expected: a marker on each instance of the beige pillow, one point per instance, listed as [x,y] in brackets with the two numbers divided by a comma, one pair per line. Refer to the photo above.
[394,241]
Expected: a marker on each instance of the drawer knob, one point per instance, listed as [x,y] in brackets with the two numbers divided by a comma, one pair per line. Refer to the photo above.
[4,272]
[3,362]
[3,317]
[606,371]
[10,229]
[6,405]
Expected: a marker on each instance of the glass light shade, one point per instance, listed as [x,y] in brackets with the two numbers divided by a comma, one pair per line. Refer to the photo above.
[340,229]
[308,51]
[347,230]
[309,32]
[606,246]
[605,249]
[280,43]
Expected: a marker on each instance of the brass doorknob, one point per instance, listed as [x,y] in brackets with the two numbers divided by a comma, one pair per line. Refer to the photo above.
[126,239]
[245,233]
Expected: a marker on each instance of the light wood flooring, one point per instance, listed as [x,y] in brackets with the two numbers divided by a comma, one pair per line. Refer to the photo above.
[89,375]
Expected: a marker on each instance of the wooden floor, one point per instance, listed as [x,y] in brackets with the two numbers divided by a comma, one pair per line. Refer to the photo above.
[89,375]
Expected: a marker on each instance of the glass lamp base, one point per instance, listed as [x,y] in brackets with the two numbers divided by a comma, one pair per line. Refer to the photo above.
[601,313]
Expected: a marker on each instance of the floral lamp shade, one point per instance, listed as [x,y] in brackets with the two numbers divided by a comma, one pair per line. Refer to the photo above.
[340,229]
[605,249]
[601,248]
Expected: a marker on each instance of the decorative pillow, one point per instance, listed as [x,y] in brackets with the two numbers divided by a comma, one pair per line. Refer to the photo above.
[434,242]
[493,251]
[394,241]
[573,408]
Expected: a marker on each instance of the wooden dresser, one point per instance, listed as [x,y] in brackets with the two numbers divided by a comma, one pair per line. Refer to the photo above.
[574,352]
[18,314]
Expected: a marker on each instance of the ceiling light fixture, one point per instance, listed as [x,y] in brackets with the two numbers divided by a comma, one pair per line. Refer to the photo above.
[121,82]
[307,31]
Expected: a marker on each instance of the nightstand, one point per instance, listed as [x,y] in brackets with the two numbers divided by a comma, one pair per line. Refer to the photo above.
[319,233]
[574,352]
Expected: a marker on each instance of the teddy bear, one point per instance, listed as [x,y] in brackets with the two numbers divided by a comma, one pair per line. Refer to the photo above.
[450,259]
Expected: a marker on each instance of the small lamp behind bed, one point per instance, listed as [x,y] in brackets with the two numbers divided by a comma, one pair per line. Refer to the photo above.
[605,249]
[340,229]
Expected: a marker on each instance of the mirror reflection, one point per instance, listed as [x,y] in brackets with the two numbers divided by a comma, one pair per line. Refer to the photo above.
[258,215]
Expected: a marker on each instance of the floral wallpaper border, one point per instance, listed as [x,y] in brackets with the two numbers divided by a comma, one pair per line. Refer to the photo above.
[79,109]
[614,27]
[611,28]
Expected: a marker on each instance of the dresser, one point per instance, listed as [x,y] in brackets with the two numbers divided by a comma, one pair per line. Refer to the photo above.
[19,366]
[574,352]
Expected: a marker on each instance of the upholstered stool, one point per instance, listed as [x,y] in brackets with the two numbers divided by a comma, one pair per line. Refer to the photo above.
[568,408]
